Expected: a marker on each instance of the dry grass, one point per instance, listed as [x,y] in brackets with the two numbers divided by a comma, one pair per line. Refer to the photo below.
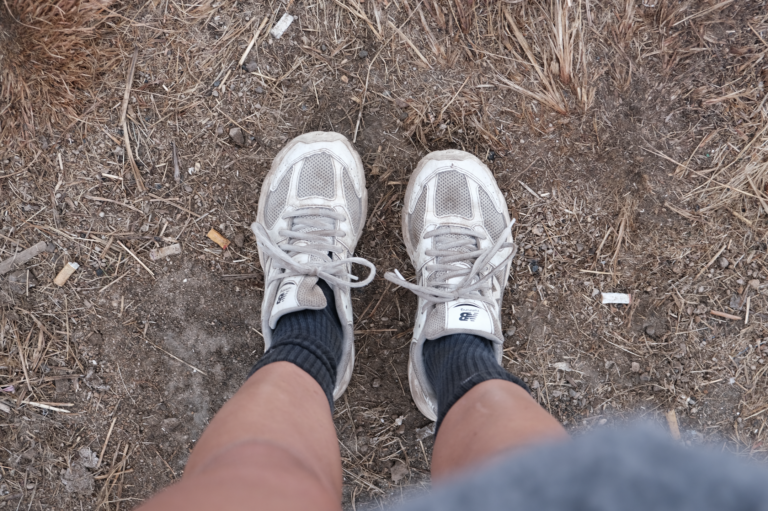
[630,140]
[50,51]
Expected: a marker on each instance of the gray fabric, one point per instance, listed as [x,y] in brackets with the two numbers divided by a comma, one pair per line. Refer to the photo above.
[309,294]
[416,219]
[452,195]
[353,202]
[492,219]
[276,200]
[630,470]
[435,326]
[316,177]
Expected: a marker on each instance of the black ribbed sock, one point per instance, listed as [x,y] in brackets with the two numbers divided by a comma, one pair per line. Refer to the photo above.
[310,339]
[456,363]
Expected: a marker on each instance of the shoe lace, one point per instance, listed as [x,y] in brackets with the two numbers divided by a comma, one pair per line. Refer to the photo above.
[314,228]
[456,254]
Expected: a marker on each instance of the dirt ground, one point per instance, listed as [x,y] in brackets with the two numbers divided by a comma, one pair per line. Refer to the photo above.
[631,150]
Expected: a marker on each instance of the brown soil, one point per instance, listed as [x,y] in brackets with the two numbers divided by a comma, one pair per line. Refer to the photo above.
[604,207]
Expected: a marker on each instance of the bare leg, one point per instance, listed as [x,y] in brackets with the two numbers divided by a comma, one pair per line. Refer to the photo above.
[272,446]
[493,417]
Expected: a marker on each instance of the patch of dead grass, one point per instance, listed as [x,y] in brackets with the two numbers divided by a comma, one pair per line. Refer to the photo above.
[49,51]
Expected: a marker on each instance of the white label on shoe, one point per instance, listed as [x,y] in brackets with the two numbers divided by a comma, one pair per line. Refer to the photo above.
[286,297]
[468,315]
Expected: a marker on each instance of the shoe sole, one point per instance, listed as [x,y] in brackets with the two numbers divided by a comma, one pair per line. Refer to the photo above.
[419,392]
[348,356]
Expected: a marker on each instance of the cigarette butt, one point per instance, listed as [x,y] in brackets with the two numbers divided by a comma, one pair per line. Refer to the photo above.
[218,239]
[160,253]
[65,273]
[674,428]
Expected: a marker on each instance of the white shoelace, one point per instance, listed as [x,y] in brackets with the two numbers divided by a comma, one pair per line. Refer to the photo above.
[315,227]
[459,245]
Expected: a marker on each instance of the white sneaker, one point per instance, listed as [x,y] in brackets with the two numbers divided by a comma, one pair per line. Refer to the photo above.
[312,210]
[457,231]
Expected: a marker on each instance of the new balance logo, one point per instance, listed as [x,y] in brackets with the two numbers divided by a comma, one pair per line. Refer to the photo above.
[468,316]
[283,293]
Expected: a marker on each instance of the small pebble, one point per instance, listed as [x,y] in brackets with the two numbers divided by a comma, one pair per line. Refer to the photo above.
[635,367]
[754,284]
[251,66]
[217,83]
[259,90]
[236,134]
[511,331]
[362,54]
[723,262]
[650,330]
[215,94]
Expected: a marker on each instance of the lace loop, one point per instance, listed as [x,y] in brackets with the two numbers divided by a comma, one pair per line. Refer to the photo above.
[446,254]
[314,227]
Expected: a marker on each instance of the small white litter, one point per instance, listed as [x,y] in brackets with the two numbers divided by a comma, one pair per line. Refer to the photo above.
[161,253]
[281,26]
[616,298]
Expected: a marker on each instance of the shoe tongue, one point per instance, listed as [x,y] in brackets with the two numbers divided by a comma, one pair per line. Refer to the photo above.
[451,238]
[299,227]
[468,315]
[459,316]
[296,294]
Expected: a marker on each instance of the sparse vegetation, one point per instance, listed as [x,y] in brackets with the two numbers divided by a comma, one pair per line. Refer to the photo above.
[49,53]
[629,136]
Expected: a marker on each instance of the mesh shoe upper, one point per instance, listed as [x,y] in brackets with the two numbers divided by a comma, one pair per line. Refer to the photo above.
[457,230]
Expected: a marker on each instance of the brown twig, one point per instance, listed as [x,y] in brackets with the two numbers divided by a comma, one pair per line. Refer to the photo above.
[16,260]
[176,169]
[106,441]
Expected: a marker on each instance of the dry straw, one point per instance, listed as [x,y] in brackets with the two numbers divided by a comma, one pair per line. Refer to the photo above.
[50,52]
